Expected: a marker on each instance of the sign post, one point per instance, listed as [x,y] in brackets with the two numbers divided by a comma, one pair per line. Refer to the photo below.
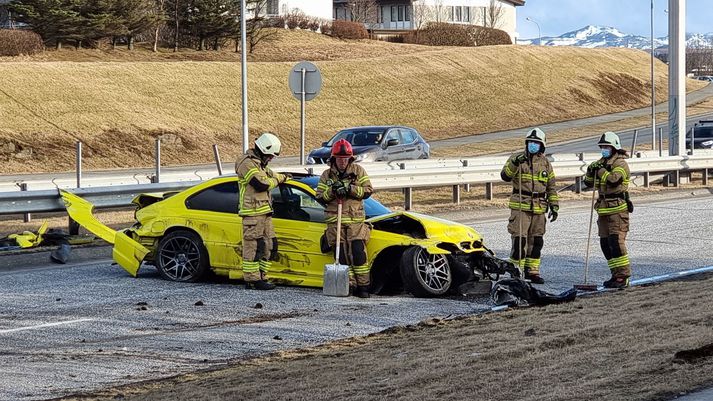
[305,82]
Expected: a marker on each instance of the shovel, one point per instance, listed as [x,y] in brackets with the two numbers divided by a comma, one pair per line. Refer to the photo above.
[336,276]
[586,286]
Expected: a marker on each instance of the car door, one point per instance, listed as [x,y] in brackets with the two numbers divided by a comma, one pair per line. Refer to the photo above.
[395,151]
[408,141]
[299,224]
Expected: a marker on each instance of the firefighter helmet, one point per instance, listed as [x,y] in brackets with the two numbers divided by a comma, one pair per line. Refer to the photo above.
[268,144]
[342,148]
[610,139]
[536,135]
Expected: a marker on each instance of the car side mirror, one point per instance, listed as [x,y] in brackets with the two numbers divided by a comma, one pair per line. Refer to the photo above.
[324,144]
[392,142]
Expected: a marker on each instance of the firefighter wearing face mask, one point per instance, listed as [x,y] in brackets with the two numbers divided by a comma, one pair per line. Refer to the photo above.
[256,180]
[348,183]
[533,194]
[610,176]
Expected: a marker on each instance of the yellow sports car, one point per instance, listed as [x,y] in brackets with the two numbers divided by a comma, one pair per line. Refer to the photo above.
[187,234]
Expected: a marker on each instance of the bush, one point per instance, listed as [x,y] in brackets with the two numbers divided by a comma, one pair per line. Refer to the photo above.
[326,28]
[303,23]
[349,30]
[276,22]
[441,34]
[292,20]
[489,37]
[14,42]
[313,25]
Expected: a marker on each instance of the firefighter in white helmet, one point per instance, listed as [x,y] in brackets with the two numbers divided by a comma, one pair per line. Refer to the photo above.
[610,176]
[256,180]
[533,194]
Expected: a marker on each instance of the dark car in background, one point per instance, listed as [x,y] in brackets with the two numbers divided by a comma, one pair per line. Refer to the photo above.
[376,143]
[701,134]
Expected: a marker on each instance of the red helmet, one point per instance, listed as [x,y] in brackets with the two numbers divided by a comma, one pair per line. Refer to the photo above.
[342,148]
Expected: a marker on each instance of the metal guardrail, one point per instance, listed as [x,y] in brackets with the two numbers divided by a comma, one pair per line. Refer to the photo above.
[394,175]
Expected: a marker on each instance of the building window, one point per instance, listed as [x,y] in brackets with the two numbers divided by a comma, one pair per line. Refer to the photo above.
[458,13]
[393,13]
[483,13]
[273,7]
[466,14]
[401,13]
[408,13]
[450,13]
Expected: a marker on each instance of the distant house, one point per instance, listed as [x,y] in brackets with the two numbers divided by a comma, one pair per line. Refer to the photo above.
[5,20]
[313,8]
[400,15]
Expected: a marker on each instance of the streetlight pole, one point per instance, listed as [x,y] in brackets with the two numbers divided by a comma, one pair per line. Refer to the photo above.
[653,83]
[677,77]
[244,74]
[539,32]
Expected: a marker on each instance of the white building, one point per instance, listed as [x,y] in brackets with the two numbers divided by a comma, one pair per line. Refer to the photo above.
[395,15]
[314,8]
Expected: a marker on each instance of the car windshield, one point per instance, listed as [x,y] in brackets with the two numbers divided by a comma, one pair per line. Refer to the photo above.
[359,137]
[703,132]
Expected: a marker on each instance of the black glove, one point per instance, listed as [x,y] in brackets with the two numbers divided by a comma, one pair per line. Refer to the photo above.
[339,189]
[554,213]
[519,159]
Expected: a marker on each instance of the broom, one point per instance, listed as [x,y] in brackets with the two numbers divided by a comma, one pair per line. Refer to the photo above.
[586,286]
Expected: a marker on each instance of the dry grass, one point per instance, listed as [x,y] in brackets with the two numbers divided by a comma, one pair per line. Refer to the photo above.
[118,109]
[620,346]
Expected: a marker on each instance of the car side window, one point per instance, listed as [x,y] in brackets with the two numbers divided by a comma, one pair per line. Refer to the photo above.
[292,203]
[221,198]
[408,136]
[392,134]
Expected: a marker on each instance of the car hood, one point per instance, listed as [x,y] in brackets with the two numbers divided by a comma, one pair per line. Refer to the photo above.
[422,226]
[325,152]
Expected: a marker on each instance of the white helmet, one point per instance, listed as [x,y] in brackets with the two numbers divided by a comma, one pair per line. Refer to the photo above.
[611,139]
[268,144]
[536,135]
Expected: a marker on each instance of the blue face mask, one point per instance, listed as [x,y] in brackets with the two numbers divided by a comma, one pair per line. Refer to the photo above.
[606,153]
[533,147]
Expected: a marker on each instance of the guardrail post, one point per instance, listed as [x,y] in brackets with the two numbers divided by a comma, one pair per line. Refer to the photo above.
[646,180]
[158,161]
[27,217]
[489,191]
[218,163]
[672,179]
[79,164]
[578,180]
[456,194]
[705,176]
[466,187]
[408,199]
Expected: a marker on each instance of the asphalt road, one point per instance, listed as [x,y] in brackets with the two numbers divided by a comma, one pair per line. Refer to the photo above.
[82,327]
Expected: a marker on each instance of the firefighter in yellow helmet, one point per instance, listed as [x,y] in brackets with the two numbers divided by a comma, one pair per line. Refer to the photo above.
[347,182]
[256,180]
[610,176]
[533,193]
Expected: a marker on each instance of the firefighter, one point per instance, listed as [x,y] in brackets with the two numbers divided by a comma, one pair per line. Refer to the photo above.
[533,193]
[256,180]
[610,176]
[347,182]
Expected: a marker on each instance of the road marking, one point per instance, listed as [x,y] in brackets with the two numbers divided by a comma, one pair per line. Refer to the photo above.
[39,326]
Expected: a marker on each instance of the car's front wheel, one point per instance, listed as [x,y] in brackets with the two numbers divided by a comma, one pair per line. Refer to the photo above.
[425,275]
[181,256]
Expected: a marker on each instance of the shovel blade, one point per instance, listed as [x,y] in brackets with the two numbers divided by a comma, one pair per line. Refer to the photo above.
[336,280]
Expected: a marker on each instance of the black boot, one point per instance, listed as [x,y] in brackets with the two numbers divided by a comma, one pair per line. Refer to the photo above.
[617,282]
[533,277]
[362,291]
[261,285]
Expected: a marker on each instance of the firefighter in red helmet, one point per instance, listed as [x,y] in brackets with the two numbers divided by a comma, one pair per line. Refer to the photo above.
[348,183]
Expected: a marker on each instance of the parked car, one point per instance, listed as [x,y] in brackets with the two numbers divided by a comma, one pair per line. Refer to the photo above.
[708,78]
[701,134]
[376,143]
[188,234]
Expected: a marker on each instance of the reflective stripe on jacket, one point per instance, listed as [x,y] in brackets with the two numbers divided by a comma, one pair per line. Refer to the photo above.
[538,183]
[611,181]
[357,181]
[252,202]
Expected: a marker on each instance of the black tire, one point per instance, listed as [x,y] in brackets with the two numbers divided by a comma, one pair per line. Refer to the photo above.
[181,256]
[425,275]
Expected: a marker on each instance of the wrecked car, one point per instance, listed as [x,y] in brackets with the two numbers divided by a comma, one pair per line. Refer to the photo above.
[190,233]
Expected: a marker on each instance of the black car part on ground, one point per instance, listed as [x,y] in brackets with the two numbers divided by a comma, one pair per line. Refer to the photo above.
[518,292]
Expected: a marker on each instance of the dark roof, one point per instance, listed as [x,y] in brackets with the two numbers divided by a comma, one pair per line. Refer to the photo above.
[516,2]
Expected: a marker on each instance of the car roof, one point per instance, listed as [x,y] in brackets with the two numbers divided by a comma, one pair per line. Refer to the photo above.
[376,127]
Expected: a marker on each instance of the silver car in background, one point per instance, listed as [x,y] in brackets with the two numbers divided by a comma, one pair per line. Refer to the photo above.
[376,143]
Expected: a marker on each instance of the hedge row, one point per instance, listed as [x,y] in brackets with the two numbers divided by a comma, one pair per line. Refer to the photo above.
[14,42]
[445,34]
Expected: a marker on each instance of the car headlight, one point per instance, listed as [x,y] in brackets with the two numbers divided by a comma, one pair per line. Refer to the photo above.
[364,157]
[707,143]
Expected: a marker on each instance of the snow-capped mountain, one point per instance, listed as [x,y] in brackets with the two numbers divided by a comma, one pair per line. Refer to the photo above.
[602,36]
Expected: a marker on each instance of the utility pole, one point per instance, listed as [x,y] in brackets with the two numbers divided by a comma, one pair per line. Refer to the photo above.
[677,77]
[653,83]
[244,74]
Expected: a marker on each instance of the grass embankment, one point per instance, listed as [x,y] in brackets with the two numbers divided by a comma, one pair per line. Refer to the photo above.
[118,108]
[645,343]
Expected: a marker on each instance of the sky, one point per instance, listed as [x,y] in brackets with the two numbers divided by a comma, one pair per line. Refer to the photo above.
[556,17]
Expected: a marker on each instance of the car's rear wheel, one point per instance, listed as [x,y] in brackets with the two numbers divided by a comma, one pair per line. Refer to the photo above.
[181,256]
[425,275]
